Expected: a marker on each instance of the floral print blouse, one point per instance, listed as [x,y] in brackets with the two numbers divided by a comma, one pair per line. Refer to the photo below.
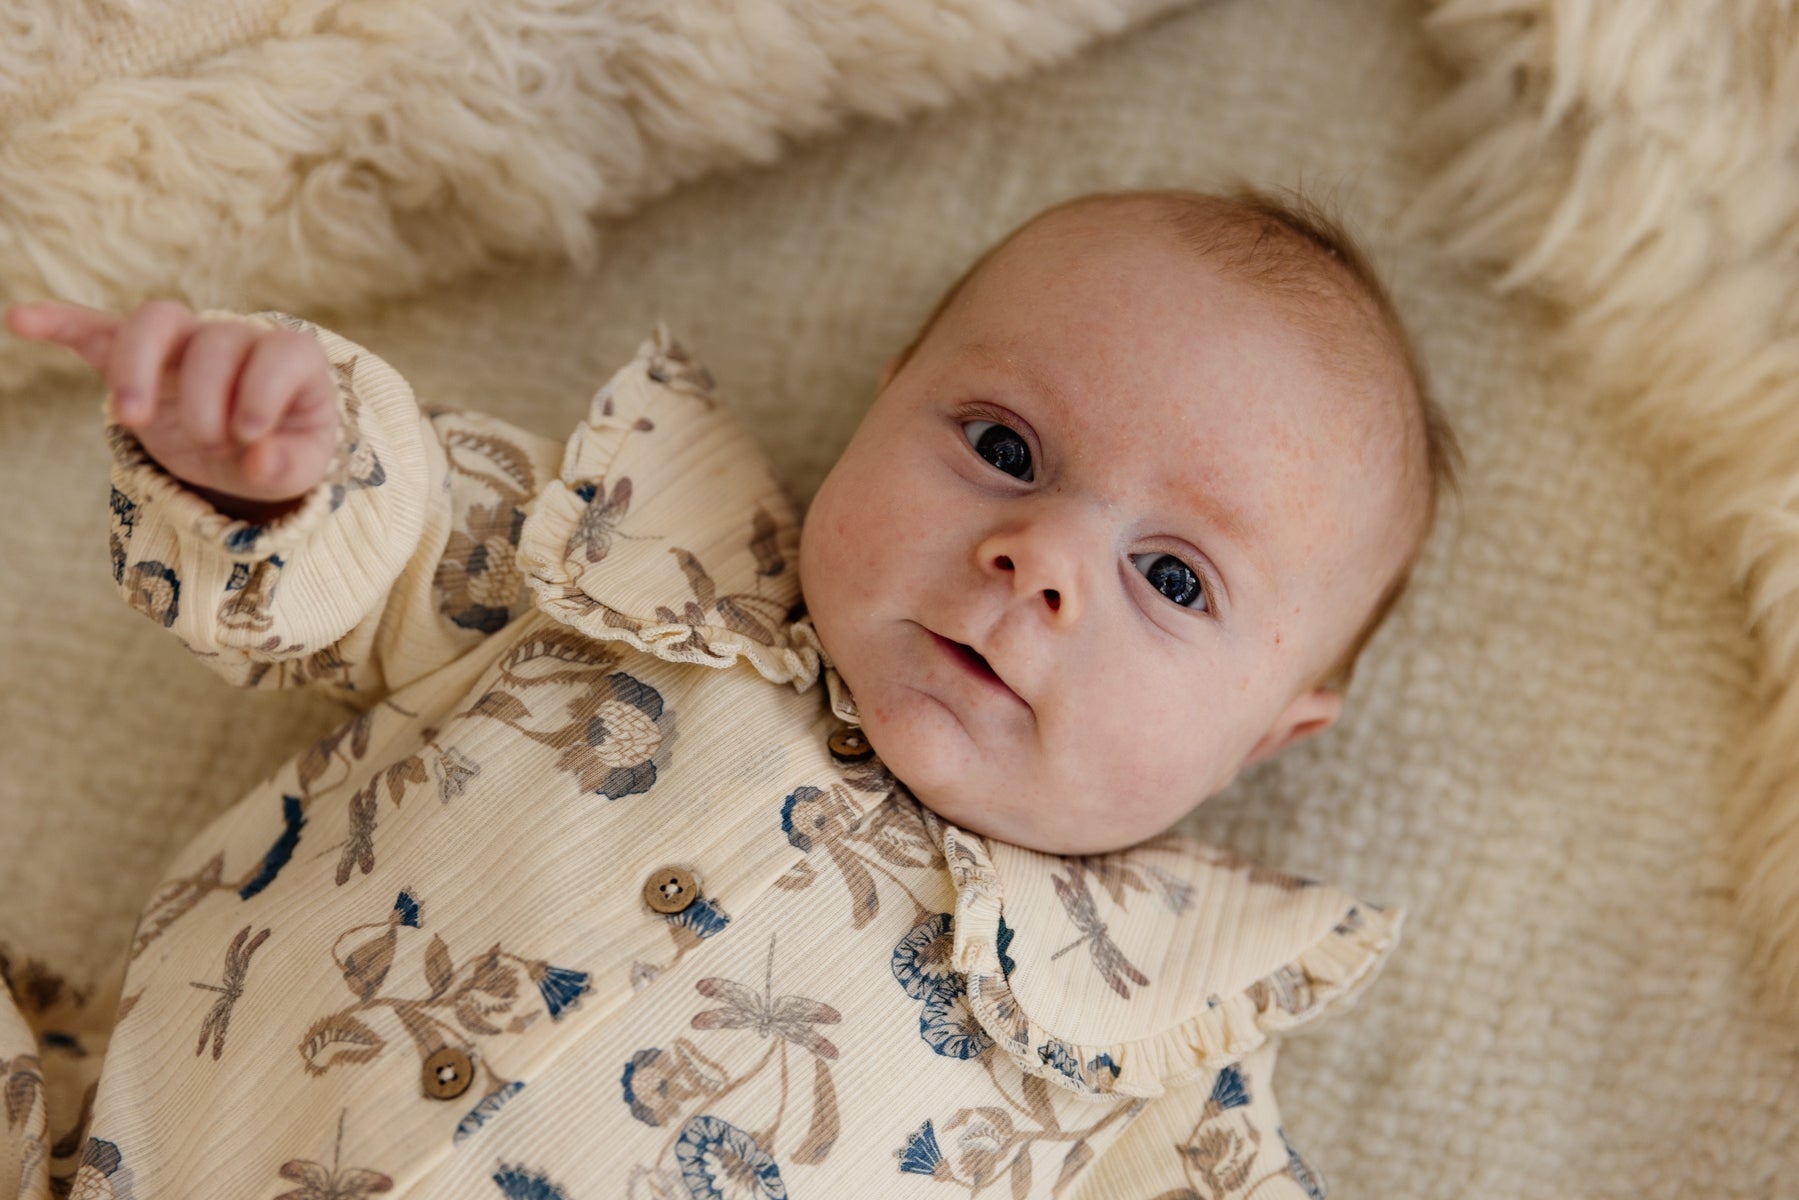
[599,894]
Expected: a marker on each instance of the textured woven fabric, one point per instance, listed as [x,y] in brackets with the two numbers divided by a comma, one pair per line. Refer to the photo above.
[1529,762]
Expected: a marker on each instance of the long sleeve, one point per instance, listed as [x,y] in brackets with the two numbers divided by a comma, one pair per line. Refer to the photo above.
[402,559]
[1216,1140]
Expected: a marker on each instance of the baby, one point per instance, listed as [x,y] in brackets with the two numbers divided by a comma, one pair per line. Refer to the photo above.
[1116,526]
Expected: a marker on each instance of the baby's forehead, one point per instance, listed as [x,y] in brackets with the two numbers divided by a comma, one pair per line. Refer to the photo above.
[1303,281]
[1304,267]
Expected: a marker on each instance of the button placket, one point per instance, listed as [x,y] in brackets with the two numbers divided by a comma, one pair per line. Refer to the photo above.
[448,1073]
[849,746]
[670,890]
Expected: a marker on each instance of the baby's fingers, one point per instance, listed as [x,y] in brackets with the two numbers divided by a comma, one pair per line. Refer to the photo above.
[286,384]
[210,368]
[141,350]
[285,466]
[87,331]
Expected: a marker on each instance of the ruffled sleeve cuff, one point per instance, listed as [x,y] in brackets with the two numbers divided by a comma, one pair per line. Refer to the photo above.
[244,594]
[140,480]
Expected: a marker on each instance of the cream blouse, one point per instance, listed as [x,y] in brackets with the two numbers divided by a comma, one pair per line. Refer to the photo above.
[599,894]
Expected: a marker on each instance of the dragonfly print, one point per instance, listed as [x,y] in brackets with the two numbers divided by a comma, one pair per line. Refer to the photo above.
[1108,959]
[788,1017]
[318,1182]
[601,518]
[230,990]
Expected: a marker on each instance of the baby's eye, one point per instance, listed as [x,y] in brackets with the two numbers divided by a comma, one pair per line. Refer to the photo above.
[1173,578]
[1004,448]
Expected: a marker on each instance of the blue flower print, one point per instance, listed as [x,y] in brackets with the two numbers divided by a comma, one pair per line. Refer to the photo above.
[293,819]
[477,576]
[949,1027]
[1006,963]
[1097,1075]
[921,964]
[242,541]
[484,1112]
[620,726]
[921,961]
[562,988]
[702,916]
[658,1083]
[920,1155]
[518,1183]
[721,1162]
[1229,1090]
[814,817]
[99,1174]
[1302,1171]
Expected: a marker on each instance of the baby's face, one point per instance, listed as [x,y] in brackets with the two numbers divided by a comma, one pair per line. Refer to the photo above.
[1097,539]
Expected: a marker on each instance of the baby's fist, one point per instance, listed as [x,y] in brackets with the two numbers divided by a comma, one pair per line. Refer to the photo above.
[244,414]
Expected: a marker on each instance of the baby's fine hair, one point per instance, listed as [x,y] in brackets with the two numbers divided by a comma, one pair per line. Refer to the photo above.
[1290,247]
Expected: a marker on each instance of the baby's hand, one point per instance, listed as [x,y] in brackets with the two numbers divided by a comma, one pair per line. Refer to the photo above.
[245,415]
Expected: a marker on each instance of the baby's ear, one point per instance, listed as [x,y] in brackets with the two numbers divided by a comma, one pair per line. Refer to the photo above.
[1311,712]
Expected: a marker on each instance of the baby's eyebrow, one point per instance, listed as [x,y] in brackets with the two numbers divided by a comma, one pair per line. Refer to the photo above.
[998,358]
[1229,521]
[1236,530]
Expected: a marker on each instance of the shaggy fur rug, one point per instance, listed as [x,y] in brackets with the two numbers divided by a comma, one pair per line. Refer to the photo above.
[1638,166]
[314,153]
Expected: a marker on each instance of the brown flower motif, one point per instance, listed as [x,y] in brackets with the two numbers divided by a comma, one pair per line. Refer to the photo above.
[153,589]
[1220,1155]
[620,727]
[658,1083]
[983,1145]
[478,575]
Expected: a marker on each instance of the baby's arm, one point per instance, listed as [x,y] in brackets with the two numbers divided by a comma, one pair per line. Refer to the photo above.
[283,506]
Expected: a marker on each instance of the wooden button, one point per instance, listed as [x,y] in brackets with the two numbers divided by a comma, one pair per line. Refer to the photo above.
[670,890]
[448,1072]
[849,746]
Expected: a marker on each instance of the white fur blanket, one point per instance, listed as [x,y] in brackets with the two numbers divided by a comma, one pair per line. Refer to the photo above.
[307,153]
[1537,745]
[1638,165]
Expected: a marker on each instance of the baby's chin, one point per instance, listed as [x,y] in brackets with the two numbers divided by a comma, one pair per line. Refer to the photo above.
[1021,816]
[1002,786]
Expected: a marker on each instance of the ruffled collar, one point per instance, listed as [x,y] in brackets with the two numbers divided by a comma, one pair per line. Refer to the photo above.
[667,529]
[1128,973]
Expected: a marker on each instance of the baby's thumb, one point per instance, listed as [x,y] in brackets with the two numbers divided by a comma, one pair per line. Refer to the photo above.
[87,331]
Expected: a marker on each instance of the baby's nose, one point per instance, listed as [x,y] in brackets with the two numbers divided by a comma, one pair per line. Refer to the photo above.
[1051,596]
[1044,564]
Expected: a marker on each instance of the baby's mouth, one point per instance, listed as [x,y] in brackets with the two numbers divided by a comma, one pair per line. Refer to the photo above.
[976,664]
[974,659]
